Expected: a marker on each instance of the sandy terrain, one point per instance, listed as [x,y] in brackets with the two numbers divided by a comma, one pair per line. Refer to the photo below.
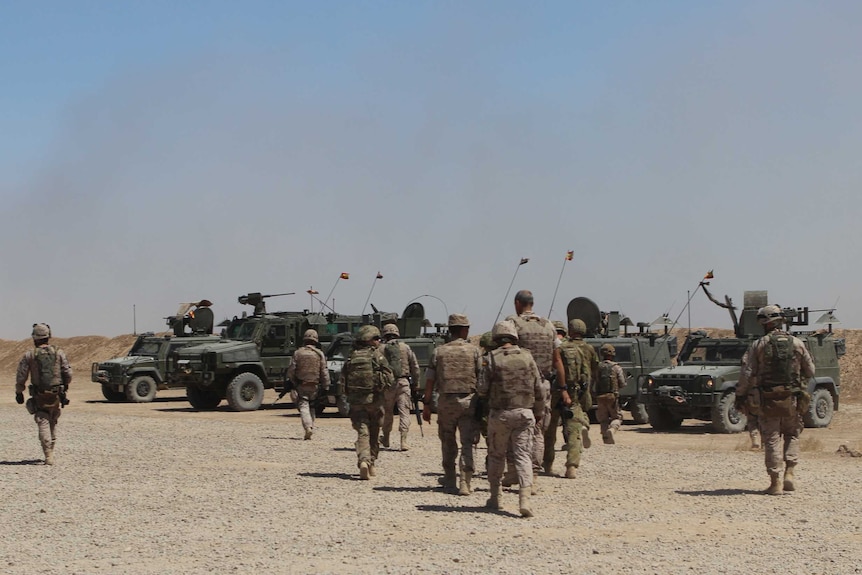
[159,488]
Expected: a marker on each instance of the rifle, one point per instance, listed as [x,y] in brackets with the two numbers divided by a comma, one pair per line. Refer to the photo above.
[288,385]
[414,397]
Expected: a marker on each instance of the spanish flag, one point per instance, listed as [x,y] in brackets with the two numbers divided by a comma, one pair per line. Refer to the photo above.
[708,275]
[344,276]
[569,255]
[523,261]
[312,292]
[379,276]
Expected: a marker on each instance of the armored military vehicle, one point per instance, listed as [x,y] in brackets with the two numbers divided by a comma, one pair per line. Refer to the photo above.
[637,353]
[146,368]
[702,385]
[255,352]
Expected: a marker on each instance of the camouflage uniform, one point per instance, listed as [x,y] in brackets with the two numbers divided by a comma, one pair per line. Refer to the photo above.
[45,406]
[454,368]
[310,376]
[366,406]
[752,421]
[608,403]
[399,395]
[779,384]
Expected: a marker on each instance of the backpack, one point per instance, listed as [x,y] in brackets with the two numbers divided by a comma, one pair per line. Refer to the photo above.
[605,383]
[366,374]
[778,355]
[577,370]
[392,353]
[45,362]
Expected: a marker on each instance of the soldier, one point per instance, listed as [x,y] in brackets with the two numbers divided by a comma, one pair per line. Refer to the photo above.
[405,367]
[366,376]
[50,375]
[750,408]
[537,335]
[554,418]
[777,364]
[512,384]
[310,378]
[577,331]
[610,380]
[454,368]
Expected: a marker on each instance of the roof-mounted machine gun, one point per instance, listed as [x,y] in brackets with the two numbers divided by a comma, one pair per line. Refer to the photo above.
[199,319]
[256,299]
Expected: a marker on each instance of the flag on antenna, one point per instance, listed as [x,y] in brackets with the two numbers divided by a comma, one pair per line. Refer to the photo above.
[379,276]
[312,292]
[523,261]
[569,255]
[344,276]
[708,275]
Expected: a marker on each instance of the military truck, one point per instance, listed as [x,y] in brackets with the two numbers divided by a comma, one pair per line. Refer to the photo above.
[255,352]
[637,353]
[703,383]
[146,368]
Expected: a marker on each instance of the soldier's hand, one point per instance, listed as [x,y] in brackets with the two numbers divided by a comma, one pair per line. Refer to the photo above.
[426,413]
[19,397]
[566,399]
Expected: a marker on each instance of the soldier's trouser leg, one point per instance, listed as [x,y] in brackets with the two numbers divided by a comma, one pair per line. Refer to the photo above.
[467,431]
[511,430]
[302,398]
[780,437]
[46,422]
[542,413]
[403,402]
[448,412]
[366,421]
[375,420]
[389,397]
[574,447]
[551,433]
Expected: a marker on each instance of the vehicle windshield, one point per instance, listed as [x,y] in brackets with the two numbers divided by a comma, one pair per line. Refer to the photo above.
[341,350]
[146,348]
[241,330]
[717,353]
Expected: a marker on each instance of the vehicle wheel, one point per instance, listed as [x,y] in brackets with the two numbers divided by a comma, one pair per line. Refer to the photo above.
[661,419]
[343,406]
[726,418]
[821,409]
[141,389]
[203,399]
[639,413]
[245,392]
[112,395]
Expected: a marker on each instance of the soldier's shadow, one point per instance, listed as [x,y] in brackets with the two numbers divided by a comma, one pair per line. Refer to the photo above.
[344,476]
[23,462]
[466,509]
[719,492]
[413,489]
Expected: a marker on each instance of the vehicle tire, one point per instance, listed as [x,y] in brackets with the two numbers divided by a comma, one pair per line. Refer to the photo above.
[245,392]
[112,395]
[343,406]
[141,389]
[820,411]
[202,399]
[661,419]
[726,418]
[639,413]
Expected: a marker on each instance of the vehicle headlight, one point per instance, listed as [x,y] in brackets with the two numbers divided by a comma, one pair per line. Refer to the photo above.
[709,383]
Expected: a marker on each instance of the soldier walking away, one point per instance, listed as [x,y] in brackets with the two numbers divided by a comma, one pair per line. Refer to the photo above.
[537,335]
[454,368]
[365,377]
[50,375]
[577,331]
[779,367]
[512,384]
[608,383]
[310,378]
[405,368]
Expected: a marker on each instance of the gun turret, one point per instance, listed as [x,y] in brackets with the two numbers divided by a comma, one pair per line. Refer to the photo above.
[256,299]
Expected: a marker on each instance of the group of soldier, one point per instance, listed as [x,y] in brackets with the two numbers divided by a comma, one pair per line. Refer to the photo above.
[527,376]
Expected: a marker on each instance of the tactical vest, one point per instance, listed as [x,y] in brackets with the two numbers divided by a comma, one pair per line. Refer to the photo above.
[589,355]
[392,352]
[45,369]
[512,379]
[606,382]
[577,370]
[456,367]
[536,335]
[366,374]
[308,362]
[778,362]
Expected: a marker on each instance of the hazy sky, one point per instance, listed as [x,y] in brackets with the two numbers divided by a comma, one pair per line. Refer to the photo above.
[159,152]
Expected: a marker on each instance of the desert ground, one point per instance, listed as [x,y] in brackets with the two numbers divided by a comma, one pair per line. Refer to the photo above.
[160,488]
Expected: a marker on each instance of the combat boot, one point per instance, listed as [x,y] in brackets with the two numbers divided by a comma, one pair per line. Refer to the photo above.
[548,468]
[448,479]
[534,488]
[49,456]
[494,501]
[775,487]
[384,440]
[308,433]
[789,484]
[609,436]
[755,439]
[524,502]
[372,469]
[465,489]
[404,441]
[585,437]
[364,471]
[570,471]
[510,479]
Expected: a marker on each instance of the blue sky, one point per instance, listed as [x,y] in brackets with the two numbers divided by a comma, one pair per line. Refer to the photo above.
[158,152]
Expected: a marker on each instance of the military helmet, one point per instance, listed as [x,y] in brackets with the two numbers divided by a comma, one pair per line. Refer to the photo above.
[391,329]
[367,333]
[608,349]
[504,329]
[560,327]
[486,341]
[578,326]
[41,331]
[310,335]
[769,314]
[458,320]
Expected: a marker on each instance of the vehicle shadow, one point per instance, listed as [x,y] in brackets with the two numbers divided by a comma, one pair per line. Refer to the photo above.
[23,462]
[719,492]
[466,509]
[317,475]
[695,429]
[155,400]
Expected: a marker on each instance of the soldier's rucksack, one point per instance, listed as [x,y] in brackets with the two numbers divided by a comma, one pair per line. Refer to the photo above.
[605,382]
[45,363]
[778,355]
[366,374]
[574,362]
[392,353]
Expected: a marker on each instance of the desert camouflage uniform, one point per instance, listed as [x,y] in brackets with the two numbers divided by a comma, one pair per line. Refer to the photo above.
[399,394]
[608,404]
[366,412]
[310,376]
[780,432]
[47,404]
[455,368]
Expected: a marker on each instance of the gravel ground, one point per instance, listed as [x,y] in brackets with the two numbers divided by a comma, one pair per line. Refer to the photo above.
[159,488]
